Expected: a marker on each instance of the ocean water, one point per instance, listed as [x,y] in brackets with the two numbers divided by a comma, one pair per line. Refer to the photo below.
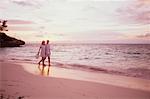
[121,59]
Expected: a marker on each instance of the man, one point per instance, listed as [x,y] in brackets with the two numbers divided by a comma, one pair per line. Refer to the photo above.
[48,51]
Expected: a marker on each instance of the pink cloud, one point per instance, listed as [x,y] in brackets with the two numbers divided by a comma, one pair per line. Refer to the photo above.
[2,7]
[20,28]
[19,25]
[147,35]
[137,11]
[11,21]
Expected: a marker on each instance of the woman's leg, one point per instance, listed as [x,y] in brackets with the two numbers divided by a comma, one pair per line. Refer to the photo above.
[40,61]
[43,59]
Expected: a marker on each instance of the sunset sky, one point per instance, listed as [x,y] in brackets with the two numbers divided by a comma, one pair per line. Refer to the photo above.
[102,21]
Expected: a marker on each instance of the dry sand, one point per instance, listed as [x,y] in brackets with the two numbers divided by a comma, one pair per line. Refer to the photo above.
[16,82]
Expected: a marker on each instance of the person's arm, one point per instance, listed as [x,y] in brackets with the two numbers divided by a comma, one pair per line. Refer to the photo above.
[39,50]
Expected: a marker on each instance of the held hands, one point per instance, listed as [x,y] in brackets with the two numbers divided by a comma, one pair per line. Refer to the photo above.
[37,55]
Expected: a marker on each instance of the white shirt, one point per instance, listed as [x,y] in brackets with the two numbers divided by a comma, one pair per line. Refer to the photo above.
[48,49]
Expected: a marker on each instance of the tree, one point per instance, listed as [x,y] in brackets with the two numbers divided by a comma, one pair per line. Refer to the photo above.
[3,25]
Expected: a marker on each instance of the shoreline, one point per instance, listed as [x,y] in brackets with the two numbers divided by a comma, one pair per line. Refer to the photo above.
[131,72]
[96,77]
[16,81]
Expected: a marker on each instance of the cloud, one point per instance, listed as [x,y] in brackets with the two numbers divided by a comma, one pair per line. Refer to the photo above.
[11,21]
[34,3]
[19,25]
[137,11]
[147,35]
[99,35]
[21,28]
[3,4]
[2,7]
[23,2]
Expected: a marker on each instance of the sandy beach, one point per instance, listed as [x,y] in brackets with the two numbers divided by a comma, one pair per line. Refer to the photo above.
[17,83]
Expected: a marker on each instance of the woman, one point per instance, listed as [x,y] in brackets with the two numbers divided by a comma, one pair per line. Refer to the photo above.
[42,53]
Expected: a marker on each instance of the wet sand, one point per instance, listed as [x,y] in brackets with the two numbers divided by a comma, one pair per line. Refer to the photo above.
[23,80]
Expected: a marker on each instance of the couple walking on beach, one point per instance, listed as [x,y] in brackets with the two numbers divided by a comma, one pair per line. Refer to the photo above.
[44,52]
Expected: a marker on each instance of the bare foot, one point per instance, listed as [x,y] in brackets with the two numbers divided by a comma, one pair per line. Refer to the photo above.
[44,64]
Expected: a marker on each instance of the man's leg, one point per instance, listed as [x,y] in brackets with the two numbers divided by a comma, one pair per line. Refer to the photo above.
[49,60]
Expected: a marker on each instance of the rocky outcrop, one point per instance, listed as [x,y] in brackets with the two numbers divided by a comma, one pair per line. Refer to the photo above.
[7,41]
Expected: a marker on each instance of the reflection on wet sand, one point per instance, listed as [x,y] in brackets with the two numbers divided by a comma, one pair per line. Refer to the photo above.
[44,70]
[57,72]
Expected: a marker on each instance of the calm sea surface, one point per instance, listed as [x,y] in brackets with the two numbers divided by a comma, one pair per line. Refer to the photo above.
[123,59]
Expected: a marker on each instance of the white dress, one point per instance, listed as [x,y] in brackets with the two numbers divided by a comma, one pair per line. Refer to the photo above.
[48,50]
[42,54]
